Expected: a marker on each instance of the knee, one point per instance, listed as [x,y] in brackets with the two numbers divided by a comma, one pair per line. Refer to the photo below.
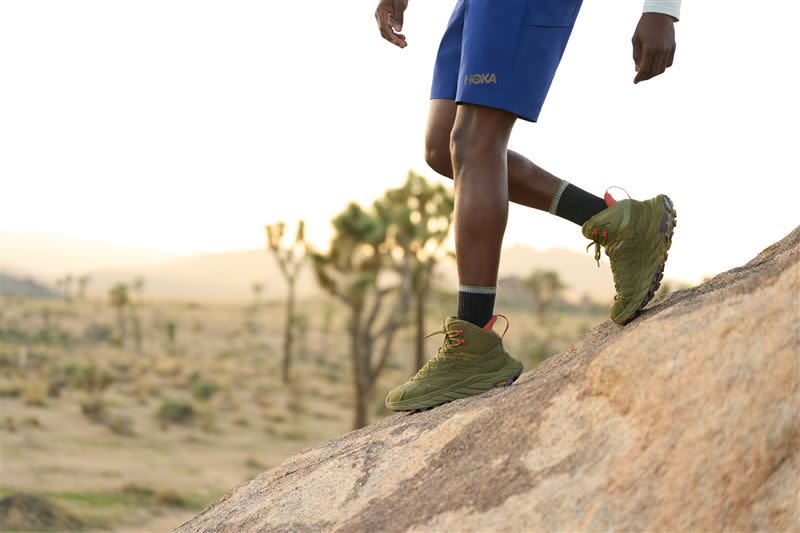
[462,145]
[437,153]
[478,136]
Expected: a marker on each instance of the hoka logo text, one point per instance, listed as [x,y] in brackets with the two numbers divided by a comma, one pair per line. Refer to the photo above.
[480,79]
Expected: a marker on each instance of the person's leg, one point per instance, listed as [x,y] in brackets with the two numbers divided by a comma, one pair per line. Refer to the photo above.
[478,145]
[528,184]
[471,359]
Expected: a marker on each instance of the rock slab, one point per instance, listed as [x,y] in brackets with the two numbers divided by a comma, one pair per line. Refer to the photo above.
[686,419]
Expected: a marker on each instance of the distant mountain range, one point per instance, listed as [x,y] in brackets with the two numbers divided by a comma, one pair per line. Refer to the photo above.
[24,287]
[229,276]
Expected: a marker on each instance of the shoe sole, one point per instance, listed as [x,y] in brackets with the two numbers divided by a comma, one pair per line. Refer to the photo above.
[472,386]
[666,228]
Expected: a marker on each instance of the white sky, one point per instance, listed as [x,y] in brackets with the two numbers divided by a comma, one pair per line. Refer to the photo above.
[186,125]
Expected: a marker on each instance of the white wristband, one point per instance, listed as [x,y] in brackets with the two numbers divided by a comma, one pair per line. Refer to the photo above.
[667,7]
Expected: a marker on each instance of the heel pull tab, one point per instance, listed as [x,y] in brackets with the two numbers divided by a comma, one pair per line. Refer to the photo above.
[490,325]
[610,201]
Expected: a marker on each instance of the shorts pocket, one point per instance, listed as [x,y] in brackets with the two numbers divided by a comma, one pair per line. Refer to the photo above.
[552,13]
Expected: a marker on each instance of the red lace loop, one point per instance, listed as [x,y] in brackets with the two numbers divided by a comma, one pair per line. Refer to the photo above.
[594,232]
[491,322]
[616,187]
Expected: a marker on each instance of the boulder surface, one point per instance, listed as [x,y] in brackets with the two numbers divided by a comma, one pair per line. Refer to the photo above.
[687,418]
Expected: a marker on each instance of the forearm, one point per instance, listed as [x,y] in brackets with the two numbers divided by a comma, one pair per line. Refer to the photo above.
[667,7]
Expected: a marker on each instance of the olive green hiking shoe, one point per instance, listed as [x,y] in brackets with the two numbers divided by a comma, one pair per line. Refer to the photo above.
[636,236]
[470,361]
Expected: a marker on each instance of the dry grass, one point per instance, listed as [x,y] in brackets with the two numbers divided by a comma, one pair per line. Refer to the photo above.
[121,439]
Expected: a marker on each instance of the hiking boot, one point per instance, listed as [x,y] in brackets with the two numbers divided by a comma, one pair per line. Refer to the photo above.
[636,236]
[470,361]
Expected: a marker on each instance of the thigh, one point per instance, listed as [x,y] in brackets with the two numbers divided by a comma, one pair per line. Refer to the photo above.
[441,117]
[509,55]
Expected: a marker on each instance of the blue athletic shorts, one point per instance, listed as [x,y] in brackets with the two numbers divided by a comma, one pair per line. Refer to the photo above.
[503,53]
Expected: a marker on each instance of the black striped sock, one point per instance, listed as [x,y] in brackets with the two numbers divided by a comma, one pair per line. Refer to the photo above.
[476,304]
[575,204]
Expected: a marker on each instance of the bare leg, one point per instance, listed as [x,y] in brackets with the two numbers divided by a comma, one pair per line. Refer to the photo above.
[528,184]
[478,145]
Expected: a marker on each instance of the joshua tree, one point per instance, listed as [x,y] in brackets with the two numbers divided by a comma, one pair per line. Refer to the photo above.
[83,282]
[171,329]
[64,285]
[258,289]
[290,259]
[118,298]
[360,252]
[419,215]
[546,286]
[138,287]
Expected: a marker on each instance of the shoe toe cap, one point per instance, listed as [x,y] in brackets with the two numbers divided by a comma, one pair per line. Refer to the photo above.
[395,395]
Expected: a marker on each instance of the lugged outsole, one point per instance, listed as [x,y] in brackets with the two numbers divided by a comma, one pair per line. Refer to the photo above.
[457,397]
[655,281]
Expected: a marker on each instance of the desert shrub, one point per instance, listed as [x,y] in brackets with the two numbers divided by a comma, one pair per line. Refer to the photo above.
[98,333]
[11,391]
[54,387]
[8,424]
[35,393]
[121,425]
[26,512]
[241,421]
[275,417]
[167,367]
[170,498]
[292,434]
[208,423]
[252,462]
[12,334]
[138,494]
[30,421]
[90,378]
[176,411]
[94,408]
[204,390]
[53,337]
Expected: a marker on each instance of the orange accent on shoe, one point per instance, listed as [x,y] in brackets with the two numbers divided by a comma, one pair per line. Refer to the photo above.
[491,322]
[610,201]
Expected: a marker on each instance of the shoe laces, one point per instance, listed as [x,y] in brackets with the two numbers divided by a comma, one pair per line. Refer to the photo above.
[450,341]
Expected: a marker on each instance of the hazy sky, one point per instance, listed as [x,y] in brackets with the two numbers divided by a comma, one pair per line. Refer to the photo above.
[186,125]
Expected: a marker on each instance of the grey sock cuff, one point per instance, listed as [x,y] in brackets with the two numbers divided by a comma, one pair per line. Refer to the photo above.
[476,289]
[557,196]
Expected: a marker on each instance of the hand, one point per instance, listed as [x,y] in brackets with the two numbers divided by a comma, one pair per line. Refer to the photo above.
[389,15]
[653,45]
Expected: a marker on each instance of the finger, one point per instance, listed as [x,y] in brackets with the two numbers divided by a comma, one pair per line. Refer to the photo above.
[659,63]
[637,51]
[387,33]
[396,18]
[645,67]
[671,57]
